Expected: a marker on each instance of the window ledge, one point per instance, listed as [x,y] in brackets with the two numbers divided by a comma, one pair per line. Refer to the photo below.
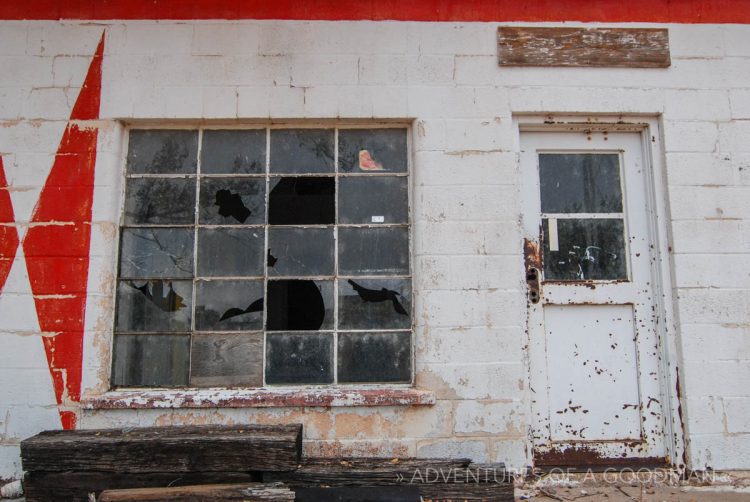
[258,398]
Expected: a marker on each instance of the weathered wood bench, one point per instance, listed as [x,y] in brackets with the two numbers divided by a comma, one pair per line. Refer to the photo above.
[68,465]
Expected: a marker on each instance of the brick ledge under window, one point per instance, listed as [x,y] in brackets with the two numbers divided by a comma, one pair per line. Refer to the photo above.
[258,398]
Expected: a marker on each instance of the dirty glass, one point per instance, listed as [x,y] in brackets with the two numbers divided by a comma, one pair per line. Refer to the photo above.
[232,201]
[372,150]
[580,183]
[156,252]
[302,201]
[374,303]
[228,305]
[373,199]
[226,359]
[160,201]
[162,152]
[587,249]
[299,305]
[299,358]
[233,152]
[155,305]
[302,151]
[374,357]
[151,360]
[300,251]
[230,252]
[375,251]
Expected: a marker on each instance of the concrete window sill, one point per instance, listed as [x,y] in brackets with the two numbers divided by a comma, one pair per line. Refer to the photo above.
[258,398]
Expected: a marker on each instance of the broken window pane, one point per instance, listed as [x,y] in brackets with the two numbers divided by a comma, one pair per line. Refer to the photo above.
[299,305]
[373,199]
[151,360]
[227,359]
[374,303]
[232,201]
[372,150]
[302,201]
[230,252]
[373,251]
[156,305]
[300,252]
[160,201]
[586,249]
[302,150]
[580,183]
[233,152]
[229,305]
[156,252]
[374,357]
[162,152]
[299,358]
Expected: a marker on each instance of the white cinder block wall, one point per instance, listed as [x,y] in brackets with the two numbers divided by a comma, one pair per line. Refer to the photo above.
[443,80]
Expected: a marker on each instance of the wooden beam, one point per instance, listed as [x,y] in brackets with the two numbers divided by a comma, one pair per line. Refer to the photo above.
[253,492]
[597,47]
[166,449]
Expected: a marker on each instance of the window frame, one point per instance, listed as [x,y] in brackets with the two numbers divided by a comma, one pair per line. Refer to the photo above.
[267,175]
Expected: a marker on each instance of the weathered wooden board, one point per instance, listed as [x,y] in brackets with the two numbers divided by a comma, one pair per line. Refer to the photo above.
[166,449]
[41,486]
[435,479]
[603,47]
[361,471]
[359,494]
[252,492]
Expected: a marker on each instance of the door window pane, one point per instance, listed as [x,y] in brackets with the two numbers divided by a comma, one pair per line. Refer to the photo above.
[580,183]
[586,249]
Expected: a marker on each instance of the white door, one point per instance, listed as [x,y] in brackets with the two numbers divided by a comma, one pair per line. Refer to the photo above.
[596,397]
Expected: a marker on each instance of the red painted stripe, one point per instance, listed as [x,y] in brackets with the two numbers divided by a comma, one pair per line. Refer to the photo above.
[8,232]
[654,11]
[57,254]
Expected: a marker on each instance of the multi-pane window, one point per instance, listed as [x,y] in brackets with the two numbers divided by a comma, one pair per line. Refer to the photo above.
[252,257]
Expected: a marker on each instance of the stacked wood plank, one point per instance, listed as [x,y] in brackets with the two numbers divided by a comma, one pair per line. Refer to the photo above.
[251,462]
[76,463]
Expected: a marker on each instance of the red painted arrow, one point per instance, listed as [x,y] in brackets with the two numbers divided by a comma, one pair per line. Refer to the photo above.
[8,232]
[57,243]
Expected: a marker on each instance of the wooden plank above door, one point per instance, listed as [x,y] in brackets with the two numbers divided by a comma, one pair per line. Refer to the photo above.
[583,47]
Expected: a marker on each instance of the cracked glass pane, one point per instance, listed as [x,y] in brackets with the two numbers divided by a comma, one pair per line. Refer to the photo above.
[232,201]
[229,305]
[372,150]
[302,201]
[233,152]
[300,252]
[162,152]
[160,201]
[227,359]
[374,303]
[302,151]
[586,249]
[374,357]
[580,183]
[151,360]
[373,199]
[299,305]
[156,305]
[299,358]
[373,251]
[156,252]
[230,252]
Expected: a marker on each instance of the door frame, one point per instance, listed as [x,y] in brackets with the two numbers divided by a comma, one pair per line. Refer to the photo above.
[651,133]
